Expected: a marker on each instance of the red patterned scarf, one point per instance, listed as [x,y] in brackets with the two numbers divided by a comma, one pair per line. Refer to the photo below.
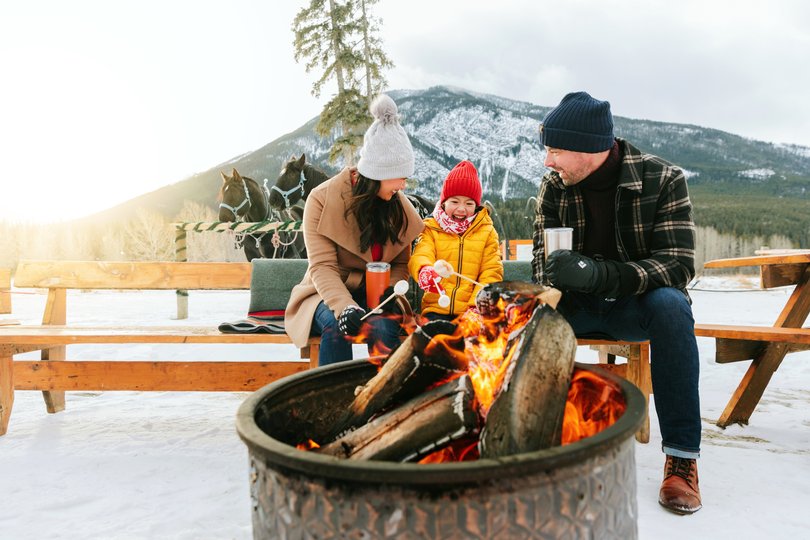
[449,224]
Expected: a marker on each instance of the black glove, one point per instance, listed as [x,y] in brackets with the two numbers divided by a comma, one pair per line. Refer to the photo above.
[572,271]
[349,322]
[392,307]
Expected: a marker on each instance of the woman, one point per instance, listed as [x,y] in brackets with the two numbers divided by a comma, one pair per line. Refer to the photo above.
[352,219]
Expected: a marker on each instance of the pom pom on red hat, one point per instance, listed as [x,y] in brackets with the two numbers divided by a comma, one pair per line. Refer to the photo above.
[462,180]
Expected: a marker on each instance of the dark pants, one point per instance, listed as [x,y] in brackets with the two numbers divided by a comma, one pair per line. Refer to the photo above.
[664,317]
[335,347]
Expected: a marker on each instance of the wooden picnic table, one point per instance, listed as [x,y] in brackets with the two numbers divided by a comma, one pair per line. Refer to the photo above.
[785,267]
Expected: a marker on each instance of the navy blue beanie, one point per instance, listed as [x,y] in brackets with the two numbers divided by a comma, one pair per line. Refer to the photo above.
[579,123]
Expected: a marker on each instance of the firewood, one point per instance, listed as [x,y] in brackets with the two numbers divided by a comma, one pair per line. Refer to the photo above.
[416,428]
[514,292]
[407,372]
[527,414]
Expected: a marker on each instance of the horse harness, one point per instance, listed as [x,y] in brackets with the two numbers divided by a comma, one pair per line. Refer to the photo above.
[286,194]
[246,201]
[276,239]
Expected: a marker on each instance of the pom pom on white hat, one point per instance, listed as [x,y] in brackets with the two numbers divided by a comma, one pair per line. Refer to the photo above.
[387,151]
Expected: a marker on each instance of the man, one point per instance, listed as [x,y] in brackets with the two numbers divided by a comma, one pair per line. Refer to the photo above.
[632,257]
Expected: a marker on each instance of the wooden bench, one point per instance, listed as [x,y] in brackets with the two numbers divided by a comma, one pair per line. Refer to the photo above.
[54,372]
[765,346]
[759,344]
[738,343]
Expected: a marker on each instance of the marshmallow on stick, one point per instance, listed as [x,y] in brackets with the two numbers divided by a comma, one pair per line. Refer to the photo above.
[444,300]
[400,288]
[444,269]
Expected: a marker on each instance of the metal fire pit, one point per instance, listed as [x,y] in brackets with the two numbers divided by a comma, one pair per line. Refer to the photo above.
[583,490]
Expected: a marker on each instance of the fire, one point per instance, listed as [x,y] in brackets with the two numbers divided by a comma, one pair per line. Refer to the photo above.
[487,371]
[483,347]
[378,352]
[489,348]
[593,404]
[308,445]
[461,450]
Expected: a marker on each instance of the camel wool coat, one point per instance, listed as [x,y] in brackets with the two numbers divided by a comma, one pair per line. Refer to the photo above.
[336,264]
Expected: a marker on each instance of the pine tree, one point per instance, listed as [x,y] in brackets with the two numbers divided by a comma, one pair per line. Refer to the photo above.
[339,38]
[374,58]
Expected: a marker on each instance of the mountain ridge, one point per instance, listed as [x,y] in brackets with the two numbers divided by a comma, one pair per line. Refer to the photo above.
[500,136]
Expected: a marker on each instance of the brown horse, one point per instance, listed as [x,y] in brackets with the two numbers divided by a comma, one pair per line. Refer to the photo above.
[298,178]
[242,199]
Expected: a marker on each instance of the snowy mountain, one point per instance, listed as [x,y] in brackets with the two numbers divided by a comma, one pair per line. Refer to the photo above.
[500,136]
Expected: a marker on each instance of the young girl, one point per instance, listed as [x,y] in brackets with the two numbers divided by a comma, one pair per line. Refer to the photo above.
[354,218]
[461,233]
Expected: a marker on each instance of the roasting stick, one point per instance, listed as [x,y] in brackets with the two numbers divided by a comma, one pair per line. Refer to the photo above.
[400,288]
[549,296]
[444,300]
[444,269]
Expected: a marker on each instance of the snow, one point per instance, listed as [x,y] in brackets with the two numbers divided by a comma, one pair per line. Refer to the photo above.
[757,174]
[134,465]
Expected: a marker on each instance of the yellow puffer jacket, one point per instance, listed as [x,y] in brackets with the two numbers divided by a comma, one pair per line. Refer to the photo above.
[475,254]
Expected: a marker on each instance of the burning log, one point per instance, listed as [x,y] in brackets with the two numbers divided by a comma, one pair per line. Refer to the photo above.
[514,293]
[527,414]
[414,429]
[407,373]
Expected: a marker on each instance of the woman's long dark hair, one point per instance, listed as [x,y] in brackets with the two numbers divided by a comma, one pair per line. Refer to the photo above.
[379,220]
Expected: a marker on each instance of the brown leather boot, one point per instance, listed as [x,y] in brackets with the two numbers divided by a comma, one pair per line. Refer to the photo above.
[679,490]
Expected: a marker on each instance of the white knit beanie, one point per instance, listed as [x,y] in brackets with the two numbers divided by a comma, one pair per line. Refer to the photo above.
[387,151]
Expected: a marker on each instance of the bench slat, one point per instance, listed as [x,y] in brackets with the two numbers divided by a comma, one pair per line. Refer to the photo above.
[152,376]
[754,333]
[759,260]
[66,335]
[132,275]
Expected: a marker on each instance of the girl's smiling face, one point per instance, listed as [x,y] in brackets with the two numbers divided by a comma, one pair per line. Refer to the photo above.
[459,207]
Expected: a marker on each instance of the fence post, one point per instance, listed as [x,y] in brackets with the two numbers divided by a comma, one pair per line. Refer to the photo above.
[5,290]
[180,255]
[180,238]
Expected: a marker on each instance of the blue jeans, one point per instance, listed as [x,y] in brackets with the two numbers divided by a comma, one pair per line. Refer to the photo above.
[335,347]
[664,317]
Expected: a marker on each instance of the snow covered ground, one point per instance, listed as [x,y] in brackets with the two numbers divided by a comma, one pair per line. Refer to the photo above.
[130,465]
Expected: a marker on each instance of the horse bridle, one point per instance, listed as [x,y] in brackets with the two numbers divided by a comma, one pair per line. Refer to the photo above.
[247,201]
[286,194]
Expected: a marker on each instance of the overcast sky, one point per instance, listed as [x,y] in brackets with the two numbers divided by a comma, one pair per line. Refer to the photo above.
[104,100]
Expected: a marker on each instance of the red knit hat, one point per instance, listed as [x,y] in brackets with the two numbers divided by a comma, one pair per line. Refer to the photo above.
[462,180]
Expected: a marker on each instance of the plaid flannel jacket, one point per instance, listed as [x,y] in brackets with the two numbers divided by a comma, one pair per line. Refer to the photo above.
[655,233]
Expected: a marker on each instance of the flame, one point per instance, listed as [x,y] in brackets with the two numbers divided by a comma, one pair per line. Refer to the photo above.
[308,445]
[465,449]
[378,351]
[491,349]
[593,404]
